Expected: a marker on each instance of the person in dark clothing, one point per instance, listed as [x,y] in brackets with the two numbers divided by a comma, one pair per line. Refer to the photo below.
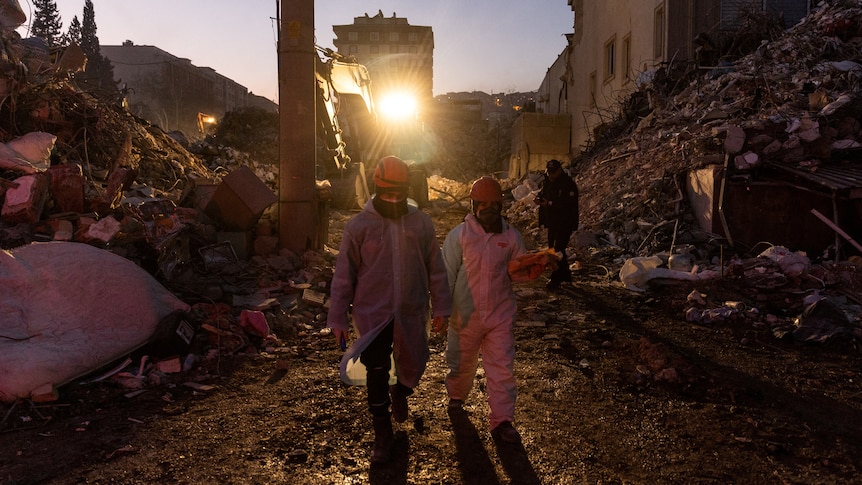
[558,212]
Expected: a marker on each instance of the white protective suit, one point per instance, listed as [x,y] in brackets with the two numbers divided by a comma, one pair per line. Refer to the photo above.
[386,269]
[483,316]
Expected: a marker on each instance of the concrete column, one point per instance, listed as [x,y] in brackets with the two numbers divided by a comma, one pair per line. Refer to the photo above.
[297,194]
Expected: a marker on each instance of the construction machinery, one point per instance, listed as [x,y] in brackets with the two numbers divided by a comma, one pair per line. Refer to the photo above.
[326,97]
[205,123]
[351,136]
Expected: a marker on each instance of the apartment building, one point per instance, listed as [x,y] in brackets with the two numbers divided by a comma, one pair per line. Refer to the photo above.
[616,42]
[399,56]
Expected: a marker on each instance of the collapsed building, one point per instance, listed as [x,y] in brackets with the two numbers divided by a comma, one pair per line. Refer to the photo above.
[88,189]
[739,154]
[748,172]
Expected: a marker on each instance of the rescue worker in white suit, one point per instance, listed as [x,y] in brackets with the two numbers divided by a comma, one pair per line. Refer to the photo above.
[389,265]
[478,254]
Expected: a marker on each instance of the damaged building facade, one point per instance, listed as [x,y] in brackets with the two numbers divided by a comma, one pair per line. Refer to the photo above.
[170,91]
[613,49]
[764,139]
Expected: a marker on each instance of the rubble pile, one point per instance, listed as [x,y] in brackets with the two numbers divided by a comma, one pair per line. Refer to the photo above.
[77,169]
[794,102]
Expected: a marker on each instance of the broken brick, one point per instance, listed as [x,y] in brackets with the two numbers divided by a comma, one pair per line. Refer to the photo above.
[67,187]
[25,202]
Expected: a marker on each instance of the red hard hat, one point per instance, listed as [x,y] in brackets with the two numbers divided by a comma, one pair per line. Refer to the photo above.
[391,172]
[486,189]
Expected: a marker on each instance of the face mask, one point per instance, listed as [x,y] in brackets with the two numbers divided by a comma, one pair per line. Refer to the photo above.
[390,210]
[490,218]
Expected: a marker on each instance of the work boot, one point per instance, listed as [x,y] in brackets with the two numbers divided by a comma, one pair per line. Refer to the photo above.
[398,396]
[456,406]
[383,438]
[506,432]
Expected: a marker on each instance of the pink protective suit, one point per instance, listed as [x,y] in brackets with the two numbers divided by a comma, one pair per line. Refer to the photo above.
[483,314]
[387,269]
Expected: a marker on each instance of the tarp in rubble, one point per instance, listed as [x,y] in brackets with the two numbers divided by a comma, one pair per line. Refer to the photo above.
[67,309]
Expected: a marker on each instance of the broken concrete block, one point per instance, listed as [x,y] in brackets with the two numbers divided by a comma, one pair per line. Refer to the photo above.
[845,144]
[25,202]
[198,386]
[169,366]
[760,140]
[805,128]
[791,143]
[795,153]
[102,230]
[240,200]
[254,322]
[84,222]
[61,229]
[735,140]
[773,147]
[746,161]
[712,115]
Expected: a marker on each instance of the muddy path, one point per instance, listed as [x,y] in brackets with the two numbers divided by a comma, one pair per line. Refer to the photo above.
[597,403]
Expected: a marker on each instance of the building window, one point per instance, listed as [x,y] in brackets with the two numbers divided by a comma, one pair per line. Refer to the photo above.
[393,49]
[610,58]
[393,37]
[353,49]
[353,36]
[658,33]
[593,89]
[375,49]
[413,37]
[627,58]
[414,49]
[374,36]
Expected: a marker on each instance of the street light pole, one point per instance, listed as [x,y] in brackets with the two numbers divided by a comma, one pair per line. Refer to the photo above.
[297,201]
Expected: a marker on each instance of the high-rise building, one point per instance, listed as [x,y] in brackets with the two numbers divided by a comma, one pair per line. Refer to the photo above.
[399,56]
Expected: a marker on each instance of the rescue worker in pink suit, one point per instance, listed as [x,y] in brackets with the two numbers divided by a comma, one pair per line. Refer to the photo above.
[388,266]
[477,253]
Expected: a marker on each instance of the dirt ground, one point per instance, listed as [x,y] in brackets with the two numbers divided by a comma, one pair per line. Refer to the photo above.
[615,387]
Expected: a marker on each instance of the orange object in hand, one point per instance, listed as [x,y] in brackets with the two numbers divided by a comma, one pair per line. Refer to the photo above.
[530,266]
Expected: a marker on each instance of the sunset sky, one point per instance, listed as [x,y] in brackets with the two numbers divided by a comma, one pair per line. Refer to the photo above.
[480,45]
